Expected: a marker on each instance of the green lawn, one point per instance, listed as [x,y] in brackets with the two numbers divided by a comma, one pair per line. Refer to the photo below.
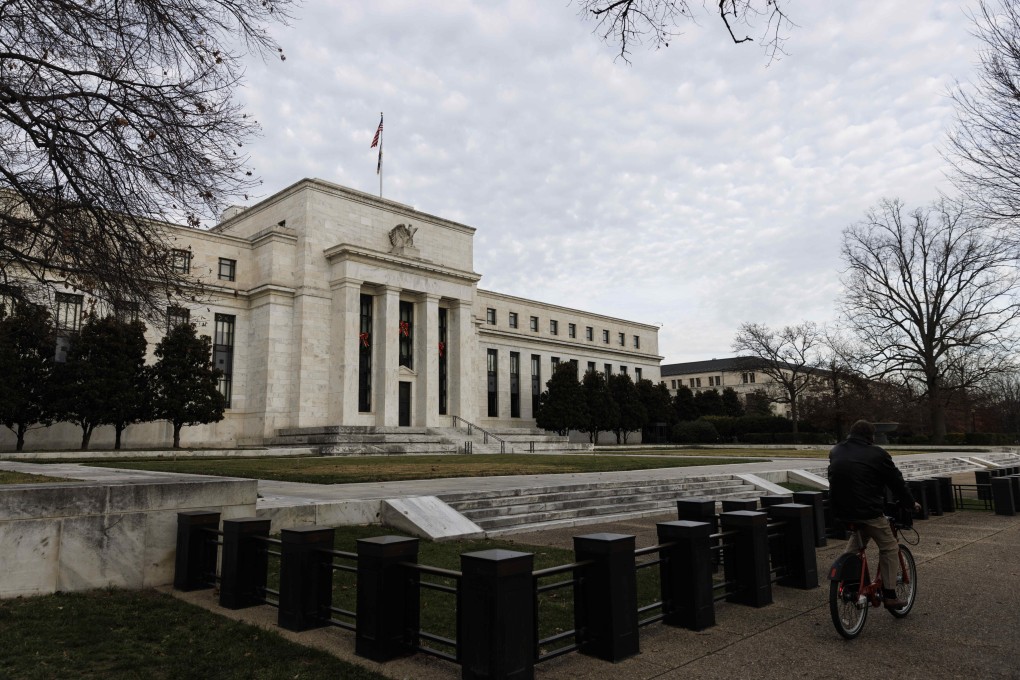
[7,477]
[144,634]
[349,469]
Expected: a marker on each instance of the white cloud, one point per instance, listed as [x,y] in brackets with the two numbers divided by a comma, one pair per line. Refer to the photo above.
[696,187]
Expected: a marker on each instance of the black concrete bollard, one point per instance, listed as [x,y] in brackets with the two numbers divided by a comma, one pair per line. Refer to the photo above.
[195,560]
[685,574]
[1002,496]
[983,478]
[245,562]
[700,510]
[920,494]
[816,501]
[934,494]
[306,578]
[497,624]
[769,501]
[389,604]
[945,483]
[1014,483]
[749,567]
[605,609]
[733,504]
[798,537]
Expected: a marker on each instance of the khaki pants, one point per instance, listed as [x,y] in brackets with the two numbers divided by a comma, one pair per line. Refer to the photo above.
[888,549]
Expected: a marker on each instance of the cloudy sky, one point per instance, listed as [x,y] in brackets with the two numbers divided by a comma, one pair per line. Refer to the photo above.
[697,187]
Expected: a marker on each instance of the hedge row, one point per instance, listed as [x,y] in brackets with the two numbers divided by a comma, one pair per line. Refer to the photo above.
[963,438]
[707,431]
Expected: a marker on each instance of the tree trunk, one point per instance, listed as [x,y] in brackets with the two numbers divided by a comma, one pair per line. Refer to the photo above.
[937,413]
[795,414]
[177,435]
[86,435]
[21,436]
[116,442]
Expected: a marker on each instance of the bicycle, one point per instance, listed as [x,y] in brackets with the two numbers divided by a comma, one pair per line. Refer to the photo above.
[852,592]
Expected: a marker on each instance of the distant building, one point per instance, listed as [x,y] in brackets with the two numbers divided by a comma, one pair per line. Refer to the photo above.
[329,306]
[743,374]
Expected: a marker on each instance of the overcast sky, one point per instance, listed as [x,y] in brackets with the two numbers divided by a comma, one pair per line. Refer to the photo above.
[698,187]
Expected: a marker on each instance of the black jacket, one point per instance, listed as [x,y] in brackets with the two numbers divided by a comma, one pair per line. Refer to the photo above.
[859,474]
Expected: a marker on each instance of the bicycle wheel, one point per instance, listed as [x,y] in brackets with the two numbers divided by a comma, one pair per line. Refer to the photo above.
[906,588]
[848,613]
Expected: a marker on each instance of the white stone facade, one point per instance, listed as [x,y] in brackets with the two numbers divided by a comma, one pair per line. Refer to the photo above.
[305,263]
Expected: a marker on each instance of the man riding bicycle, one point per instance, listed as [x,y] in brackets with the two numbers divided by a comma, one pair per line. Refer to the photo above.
[859,474]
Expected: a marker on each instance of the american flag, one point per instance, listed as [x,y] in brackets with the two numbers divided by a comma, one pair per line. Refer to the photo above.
[378,134]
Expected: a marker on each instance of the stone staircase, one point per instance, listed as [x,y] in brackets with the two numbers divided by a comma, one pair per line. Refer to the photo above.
[518,510]
[340,440]
[356,440]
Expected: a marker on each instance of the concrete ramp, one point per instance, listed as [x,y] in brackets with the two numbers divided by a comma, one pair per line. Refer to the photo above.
[428,517]
[809,478]
[764,484]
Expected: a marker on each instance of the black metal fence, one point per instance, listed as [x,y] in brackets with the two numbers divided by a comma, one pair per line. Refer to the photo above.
[497,600]
[497,594]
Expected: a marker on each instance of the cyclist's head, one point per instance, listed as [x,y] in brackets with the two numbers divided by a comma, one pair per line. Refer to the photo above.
[863,430]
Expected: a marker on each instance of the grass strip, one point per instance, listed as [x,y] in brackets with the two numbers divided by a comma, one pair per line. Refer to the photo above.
[353,469]
[9,477]
[145,634]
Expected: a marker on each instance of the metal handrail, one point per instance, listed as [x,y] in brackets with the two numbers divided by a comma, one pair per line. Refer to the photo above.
[471,427]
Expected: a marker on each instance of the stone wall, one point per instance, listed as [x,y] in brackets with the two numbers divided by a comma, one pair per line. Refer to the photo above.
[80,536]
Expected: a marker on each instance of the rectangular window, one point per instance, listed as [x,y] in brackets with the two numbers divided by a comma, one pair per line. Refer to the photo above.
[747,378]
[623,341]
[605,336]
[536,382]
[126,312]
[175,316]
[571,330]
[591,366]
[674,384]
[589,333]
[637,342]
[697,382]
[607,370]
[223,353]
[68,312]
[555,361]
[534,324]
[623,370]
[181,261]
[406,331]
[515,384]
[637,373]
[490,316]
[513,319]
[554,327]
[228,269]
[492,382]
[691,380]
[365,353]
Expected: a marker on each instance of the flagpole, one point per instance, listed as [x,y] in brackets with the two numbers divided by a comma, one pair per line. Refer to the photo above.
[380,162]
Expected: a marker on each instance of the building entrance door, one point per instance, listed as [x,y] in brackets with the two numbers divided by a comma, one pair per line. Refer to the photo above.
[404,404]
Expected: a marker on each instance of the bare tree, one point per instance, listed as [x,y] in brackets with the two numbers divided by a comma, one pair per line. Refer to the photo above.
[626,22]
[984,145]
[931,296]
[788,356]
[115,118]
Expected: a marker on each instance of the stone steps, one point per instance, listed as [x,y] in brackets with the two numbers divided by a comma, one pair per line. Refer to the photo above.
[388,449]
[566,505]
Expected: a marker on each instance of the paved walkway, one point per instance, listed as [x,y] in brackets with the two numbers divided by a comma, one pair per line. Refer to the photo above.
[966,622]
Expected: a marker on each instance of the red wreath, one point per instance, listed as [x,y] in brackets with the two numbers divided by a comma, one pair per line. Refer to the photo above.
[441,348]
[364,339]
[405,329]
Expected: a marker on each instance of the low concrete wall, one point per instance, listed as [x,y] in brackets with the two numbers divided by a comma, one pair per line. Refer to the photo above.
[81,536]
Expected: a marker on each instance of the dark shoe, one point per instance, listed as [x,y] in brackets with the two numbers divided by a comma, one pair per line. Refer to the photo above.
[891,603]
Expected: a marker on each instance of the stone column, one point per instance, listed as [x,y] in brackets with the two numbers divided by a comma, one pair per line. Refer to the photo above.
[345,324]
[462,353]
[386,357]
[426,362]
